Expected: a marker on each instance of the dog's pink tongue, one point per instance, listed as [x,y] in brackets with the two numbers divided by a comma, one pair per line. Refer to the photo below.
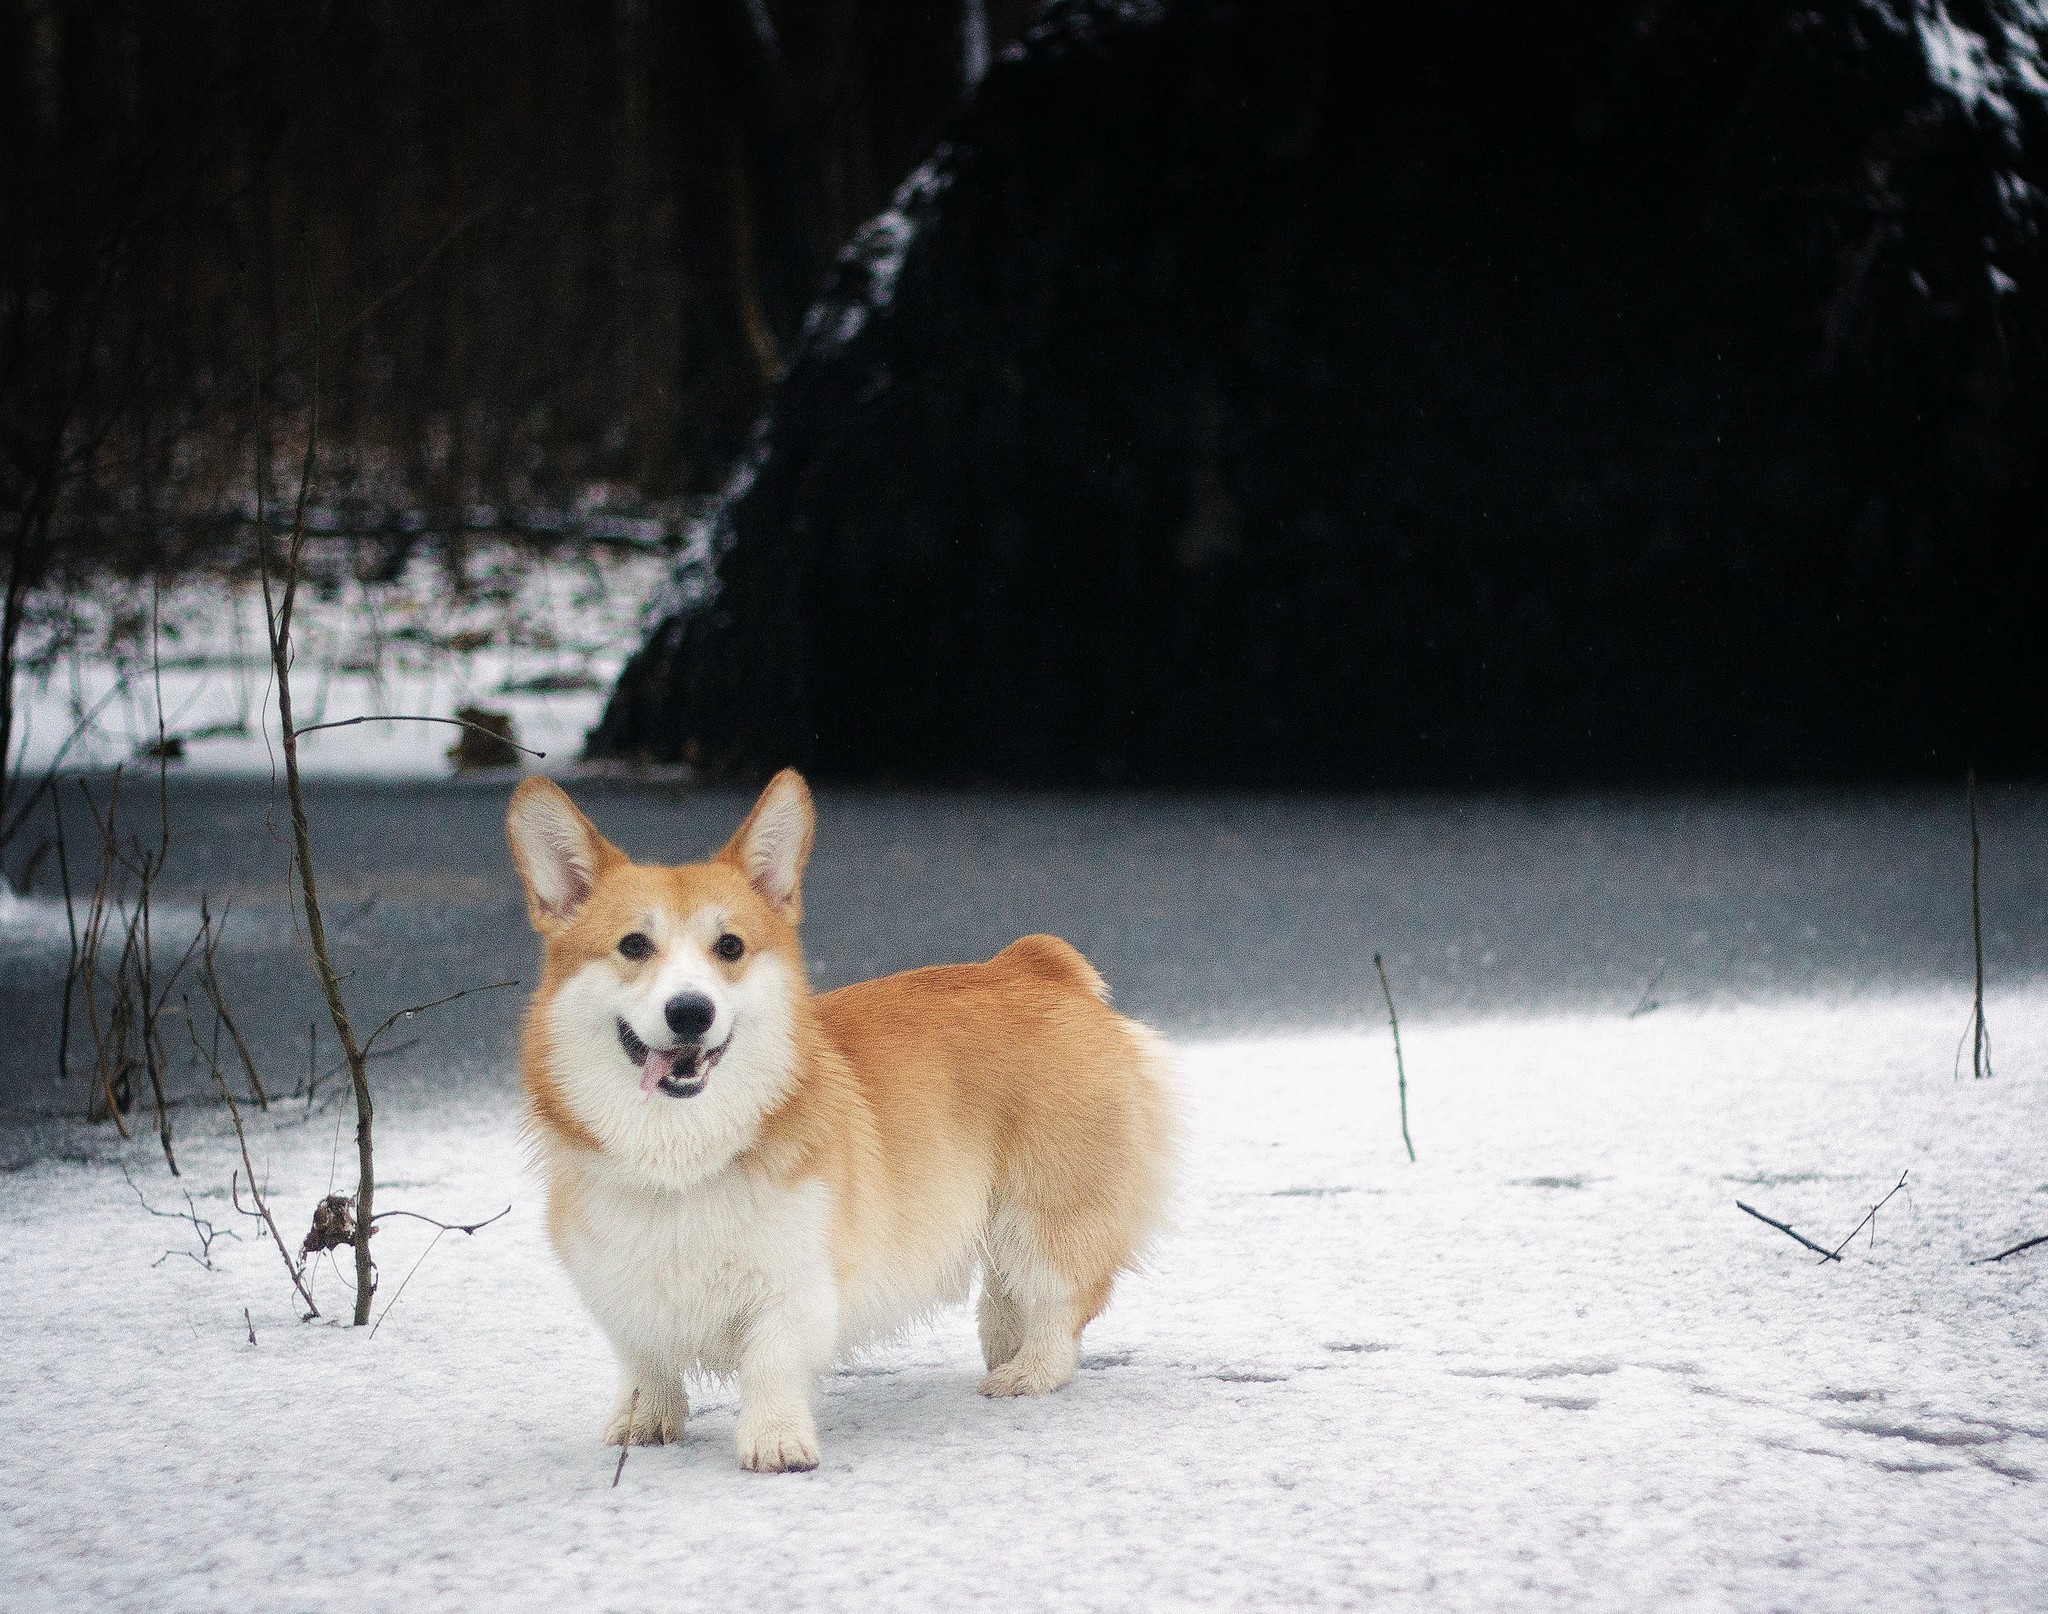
[661,1064]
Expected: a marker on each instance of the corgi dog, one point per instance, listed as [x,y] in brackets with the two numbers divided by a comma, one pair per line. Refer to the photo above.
[747,1181]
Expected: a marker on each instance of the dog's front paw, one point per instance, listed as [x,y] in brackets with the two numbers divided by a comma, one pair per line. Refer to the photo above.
[648,1424]
[777,1446]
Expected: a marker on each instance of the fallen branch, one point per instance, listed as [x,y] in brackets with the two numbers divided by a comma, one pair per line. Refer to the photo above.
[1400,1069]
[1869,1217]
[251,1322]
[2015,1250]
[455,722]
[1825,1254]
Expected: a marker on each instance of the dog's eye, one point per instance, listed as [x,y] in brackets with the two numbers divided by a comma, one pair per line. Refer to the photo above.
[635,945]
[729,947]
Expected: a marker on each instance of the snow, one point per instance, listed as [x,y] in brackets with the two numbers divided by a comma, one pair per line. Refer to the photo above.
[1548,1366]
[1977,73]
[541,637]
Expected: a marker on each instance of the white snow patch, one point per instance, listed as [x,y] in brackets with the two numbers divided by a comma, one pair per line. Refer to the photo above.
[1550,1366]
[1965,63]
[879,247]
[540,638]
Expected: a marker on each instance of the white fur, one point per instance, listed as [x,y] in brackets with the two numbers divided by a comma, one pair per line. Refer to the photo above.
[689,1263]
[662,1142]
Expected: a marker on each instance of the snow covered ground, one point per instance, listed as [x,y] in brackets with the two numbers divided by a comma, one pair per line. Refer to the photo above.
[1548,1366]
[538,635]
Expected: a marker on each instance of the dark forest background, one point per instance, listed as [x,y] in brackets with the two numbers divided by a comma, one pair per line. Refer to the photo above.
[1309,392]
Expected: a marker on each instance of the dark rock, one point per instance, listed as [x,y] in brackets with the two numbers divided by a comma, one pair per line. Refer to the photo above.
[1338,392]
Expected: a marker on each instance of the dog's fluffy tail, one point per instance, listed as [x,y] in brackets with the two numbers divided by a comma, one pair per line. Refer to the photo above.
[1056,961]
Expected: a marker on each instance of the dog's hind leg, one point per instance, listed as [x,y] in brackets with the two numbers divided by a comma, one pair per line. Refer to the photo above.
[1032,1300]
[1002,1320]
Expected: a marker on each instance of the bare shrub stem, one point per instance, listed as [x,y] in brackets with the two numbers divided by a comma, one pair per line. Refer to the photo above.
[277,617]
[1980,1033]
[1400,1068]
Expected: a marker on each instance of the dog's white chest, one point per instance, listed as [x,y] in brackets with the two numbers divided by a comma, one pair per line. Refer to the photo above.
[677,1277]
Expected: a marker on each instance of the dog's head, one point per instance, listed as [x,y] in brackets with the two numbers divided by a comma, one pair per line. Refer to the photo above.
[665,989]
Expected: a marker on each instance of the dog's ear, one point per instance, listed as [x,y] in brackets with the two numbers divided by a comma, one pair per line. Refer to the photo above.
[558,852]
[773,845]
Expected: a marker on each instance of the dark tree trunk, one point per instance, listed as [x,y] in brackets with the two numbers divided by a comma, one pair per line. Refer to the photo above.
[1325,392]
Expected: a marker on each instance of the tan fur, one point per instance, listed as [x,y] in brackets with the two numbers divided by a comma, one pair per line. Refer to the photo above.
[998,1115]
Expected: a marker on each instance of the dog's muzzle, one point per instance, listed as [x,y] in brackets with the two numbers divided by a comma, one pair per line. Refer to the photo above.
[680,1072]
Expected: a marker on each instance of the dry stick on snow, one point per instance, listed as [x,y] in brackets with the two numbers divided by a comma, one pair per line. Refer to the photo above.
[277,621]
[1869,1216]
[2028,1244]
[1980,1034]
[1772,1221]
[251,1321]
[626,1445]
[296,1269]
[453,722]
[1400,1069]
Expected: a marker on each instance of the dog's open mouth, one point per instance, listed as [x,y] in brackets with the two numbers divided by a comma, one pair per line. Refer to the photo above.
[680,1072]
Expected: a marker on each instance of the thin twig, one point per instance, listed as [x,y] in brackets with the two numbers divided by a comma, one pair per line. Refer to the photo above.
[1869,1216]
[202,1229]
[626,1445]
[447,1227]
[2015,1250]
[362,1238]
[296,1269]
[391,1020]
[1647,1004]
[444,1227]
[1772,1221]
[209,980]
[252,1324]
[1400,1069]
[71,928]
[1980,1033]
[457,722]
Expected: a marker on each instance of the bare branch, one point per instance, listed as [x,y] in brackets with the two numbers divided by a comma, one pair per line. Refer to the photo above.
[2015,1250]
[391,1020]
[1772,1221]
[202,1229]
[296,1269]
[1868,1217]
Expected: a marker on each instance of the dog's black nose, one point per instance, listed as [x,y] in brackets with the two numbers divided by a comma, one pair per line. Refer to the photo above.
[689,1015]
